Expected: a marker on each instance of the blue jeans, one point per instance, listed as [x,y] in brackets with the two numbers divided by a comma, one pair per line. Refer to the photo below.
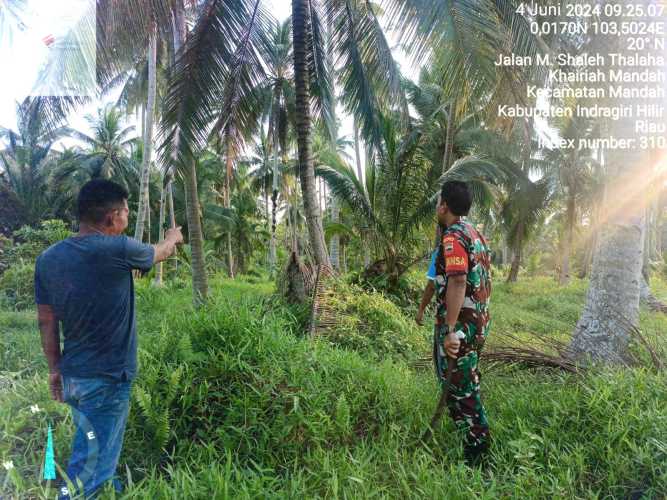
[99,410]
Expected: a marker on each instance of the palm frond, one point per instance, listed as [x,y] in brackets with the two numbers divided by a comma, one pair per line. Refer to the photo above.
[346,187]
[321,83]
[360,72]
[226,33]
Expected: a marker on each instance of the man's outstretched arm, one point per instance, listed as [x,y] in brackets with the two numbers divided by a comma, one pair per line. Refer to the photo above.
[166,248]
[50,333]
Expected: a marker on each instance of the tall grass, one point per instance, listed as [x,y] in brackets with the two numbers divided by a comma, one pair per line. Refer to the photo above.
[232,401]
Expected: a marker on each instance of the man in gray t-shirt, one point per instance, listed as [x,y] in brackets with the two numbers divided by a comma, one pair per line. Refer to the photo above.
[84,286]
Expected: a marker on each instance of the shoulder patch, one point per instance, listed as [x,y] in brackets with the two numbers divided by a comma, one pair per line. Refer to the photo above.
[448,243]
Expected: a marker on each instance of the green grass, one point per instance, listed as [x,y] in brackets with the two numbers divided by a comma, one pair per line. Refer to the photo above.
[234,402]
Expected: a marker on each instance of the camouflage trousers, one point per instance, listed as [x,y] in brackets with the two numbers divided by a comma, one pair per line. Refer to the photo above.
[464,400]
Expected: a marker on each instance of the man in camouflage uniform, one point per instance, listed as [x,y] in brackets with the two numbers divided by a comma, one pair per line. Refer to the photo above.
[463,287]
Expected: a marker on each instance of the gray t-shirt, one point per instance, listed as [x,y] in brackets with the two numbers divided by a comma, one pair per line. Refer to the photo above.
[88,282]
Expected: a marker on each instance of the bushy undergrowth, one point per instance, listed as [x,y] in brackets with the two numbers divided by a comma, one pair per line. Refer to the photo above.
[409,287]
[17,286]
[371,324]
[17,262]
[233,402]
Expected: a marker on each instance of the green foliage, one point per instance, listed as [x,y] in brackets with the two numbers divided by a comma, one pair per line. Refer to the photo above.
[17,288]
[393,208]
[373,325]
[18,342]
[26,158]
[29,242]
[232,402]
[534,264]
[405,293]
[535,305]
[18,259]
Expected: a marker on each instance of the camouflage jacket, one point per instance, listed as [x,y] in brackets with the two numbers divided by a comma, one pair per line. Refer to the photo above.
[463,250]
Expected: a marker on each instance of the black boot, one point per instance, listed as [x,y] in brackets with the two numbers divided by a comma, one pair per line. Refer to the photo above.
[473,454]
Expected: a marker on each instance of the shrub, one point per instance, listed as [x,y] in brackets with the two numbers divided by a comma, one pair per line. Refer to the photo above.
[300,419]
[534,265]
[254,411]
[17,286]
[407,291]
[373,325]
[29,242]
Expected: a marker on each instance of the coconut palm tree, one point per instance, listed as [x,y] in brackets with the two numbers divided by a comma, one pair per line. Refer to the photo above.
[522,210]
[573,169]
[106,152]
[124,28]
[28,157]
[242,219]
[280,102]
[214,82]
[270,177]
[396,201]
[142,212]
[360,49]
[323,149]
[612,301]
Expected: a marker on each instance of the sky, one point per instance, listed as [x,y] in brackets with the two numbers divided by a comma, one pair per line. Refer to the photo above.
[27,51]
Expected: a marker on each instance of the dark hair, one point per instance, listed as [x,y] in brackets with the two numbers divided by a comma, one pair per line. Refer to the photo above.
[457,196]
[97,197]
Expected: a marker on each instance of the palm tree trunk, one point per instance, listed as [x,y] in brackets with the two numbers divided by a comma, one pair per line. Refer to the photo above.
[295,220]
[570,215]
[323,191]
[195,234]
[334,242]
[613,295]
[516,255]
[148,135]
[343,249]
[267,216]
[449,138]
[196,237]
[179,33]
[300,34]
[147,216]
[274,221]
[274,188]
[227,201]
[357,157]
[516,263]
[241,263]
[160,267]
[172,213]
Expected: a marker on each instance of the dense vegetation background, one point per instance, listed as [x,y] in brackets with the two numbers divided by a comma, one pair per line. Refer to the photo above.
[290,148]
[234,400]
